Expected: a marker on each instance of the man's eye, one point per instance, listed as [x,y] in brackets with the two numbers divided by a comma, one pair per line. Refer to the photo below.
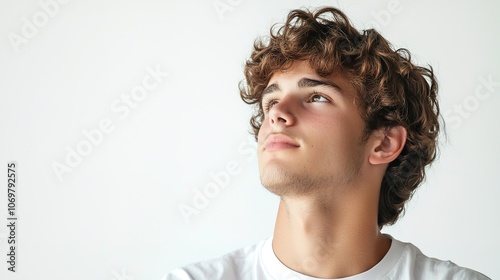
[319,98]
[269,104]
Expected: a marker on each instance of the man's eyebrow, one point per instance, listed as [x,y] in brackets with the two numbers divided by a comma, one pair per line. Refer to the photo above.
[271,88]
[306,82]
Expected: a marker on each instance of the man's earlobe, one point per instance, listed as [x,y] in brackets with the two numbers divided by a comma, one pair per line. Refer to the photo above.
[389,145]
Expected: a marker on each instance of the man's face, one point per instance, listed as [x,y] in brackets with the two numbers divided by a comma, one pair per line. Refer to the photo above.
[310,137]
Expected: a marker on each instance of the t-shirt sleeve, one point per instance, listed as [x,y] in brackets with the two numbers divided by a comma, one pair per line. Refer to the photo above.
[469,274]
[177,274]
[431,268]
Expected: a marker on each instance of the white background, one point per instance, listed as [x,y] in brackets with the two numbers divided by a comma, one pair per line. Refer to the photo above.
[116,215]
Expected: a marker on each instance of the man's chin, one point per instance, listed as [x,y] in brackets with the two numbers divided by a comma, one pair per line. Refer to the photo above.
[286,183]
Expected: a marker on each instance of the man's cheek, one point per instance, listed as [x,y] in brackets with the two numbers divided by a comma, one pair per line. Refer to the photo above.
[262,133]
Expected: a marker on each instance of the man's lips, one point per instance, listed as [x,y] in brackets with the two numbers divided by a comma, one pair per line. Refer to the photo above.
[279,142]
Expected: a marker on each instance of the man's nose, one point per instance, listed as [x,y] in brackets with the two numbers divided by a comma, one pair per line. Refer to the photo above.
[283,112]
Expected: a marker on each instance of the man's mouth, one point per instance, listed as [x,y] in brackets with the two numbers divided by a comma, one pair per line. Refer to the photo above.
[279,142]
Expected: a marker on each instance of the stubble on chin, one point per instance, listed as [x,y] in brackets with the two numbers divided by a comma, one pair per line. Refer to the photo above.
[283,181]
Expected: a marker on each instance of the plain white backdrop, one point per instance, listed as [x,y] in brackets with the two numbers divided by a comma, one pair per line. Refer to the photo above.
[159,80]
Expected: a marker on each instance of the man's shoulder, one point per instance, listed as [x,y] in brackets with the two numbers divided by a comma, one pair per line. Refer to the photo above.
[420,266]
[405,262]
[233,265]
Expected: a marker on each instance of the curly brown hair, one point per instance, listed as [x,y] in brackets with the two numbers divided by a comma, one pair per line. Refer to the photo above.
[391,90]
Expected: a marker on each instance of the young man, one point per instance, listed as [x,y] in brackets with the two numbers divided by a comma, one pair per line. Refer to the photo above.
[345,128]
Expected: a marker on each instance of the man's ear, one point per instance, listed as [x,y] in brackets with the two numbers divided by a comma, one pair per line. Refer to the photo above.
[388,145]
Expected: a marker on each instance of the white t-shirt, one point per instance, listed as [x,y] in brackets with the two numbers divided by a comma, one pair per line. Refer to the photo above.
[402,261]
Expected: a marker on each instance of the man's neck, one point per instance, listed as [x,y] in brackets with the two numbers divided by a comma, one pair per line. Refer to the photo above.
[324,238]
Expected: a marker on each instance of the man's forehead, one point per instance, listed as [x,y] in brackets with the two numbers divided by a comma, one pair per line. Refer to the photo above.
[295,69]
[299,69]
